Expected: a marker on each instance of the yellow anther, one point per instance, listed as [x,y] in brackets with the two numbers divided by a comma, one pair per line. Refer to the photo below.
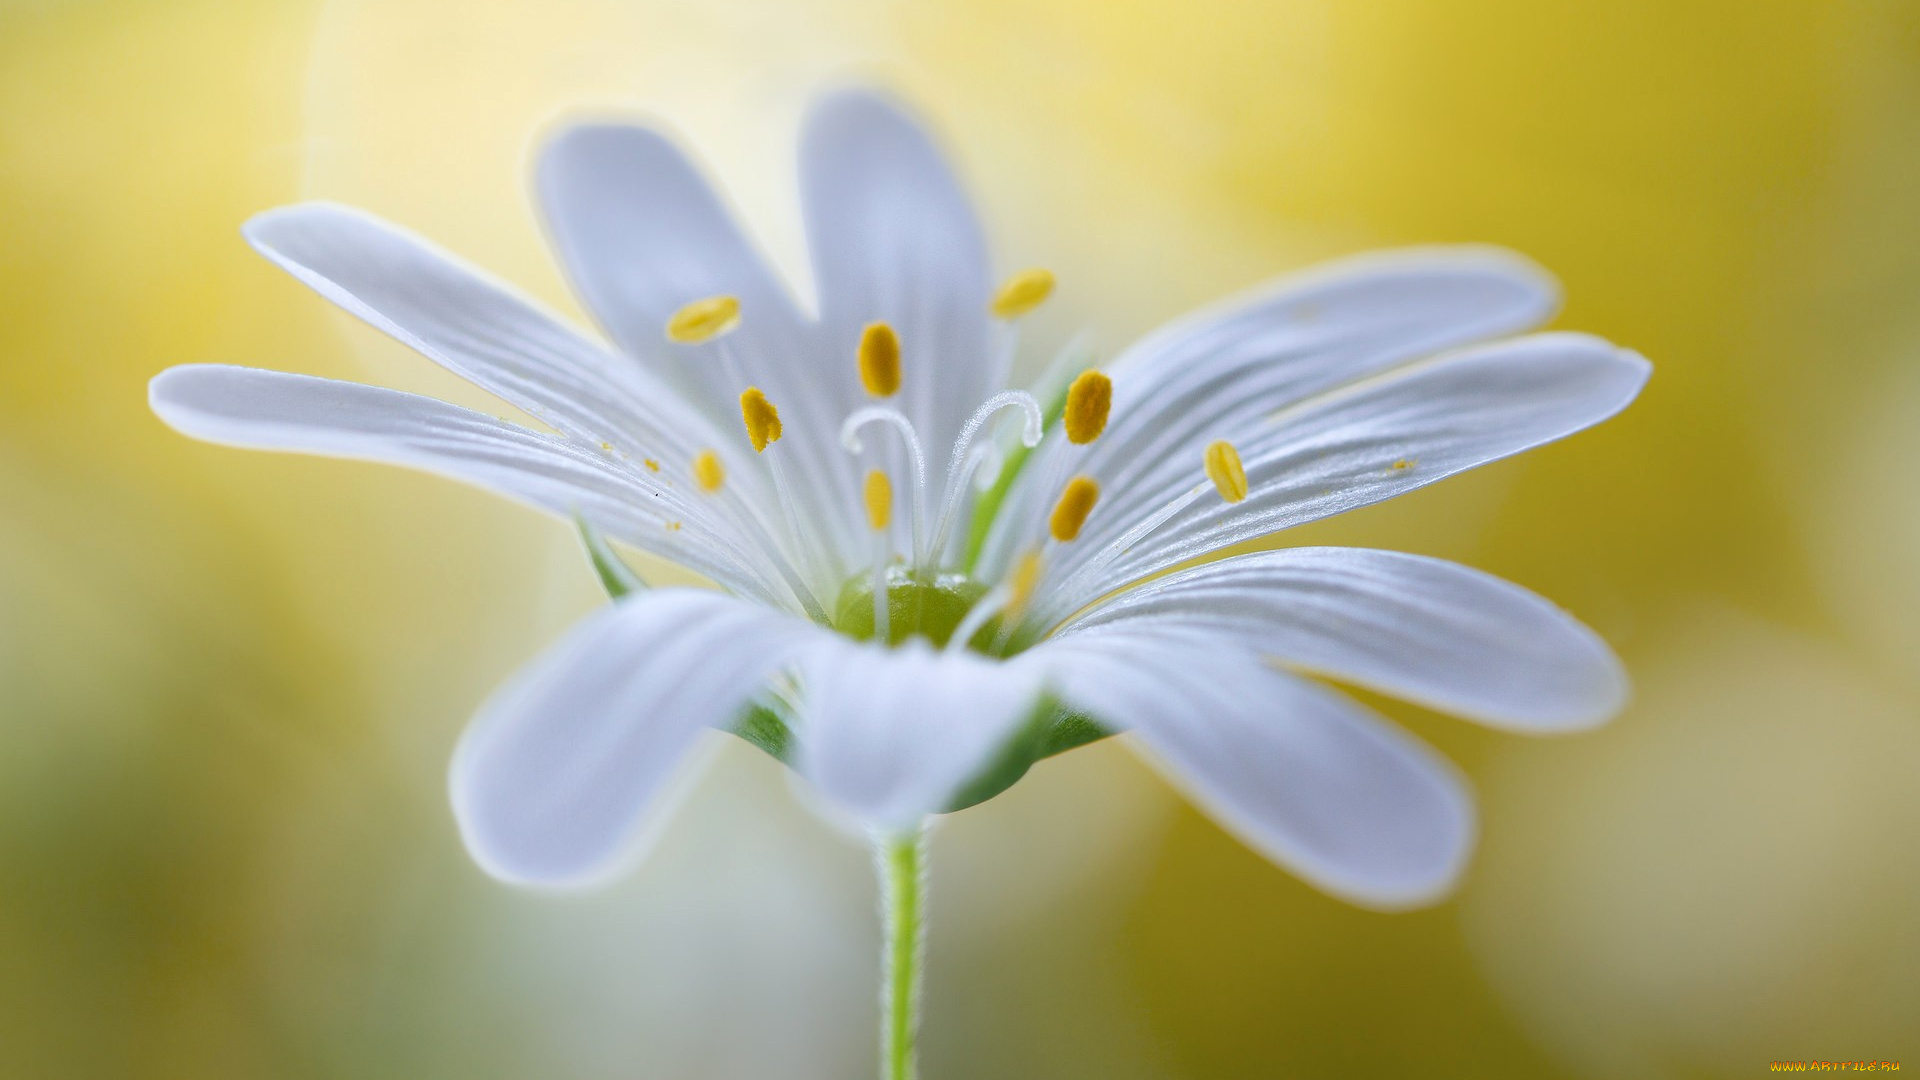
[879,500]
[1089,400]
[1404,463]
[1224,469]
[1022,292]
[704,320]
[880,360]
[652,465]
[1026,578]
[1070,513]
[707,471]
[763,420]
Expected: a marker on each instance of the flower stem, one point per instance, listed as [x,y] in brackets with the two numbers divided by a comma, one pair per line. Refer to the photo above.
[902,865]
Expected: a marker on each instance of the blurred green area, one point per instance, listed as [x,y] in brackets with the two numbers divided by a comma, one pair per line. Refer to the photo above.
[229,682]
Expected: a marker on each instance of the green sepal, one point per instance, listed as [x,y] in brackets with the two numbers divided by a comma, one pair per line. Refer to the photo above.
[764,728]
[1070,730]
[1053,729]
[615,575]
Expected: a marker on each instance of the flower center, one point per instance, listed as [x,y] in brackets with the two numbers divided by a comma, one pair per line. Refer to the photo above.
[909,587]
[930,605]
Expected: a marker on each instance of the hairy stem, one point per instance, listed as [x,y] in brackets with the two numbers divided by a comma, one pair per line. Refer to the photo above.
[902,864]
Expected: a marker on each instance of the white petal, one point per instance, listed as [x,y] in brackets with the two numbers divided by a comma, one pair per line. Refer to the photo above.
[894,238]
[892,734]
[1218,372]
[274,410]
[476,327]
[551,780]
[1300,774]
[1357,446]
[1422,629]
[642,233]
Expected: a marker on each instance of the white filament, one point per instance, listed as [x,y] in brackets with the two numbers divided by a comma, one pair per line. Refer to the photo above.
[882,598]
[978,615]
[1120,546]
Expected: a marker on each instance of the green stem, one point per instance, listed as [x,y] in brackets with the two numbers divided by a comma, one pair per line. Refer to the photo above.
[902,864]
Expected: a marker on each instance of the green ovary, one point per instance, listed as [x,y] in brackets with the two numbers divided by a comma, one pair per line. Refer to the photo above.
[917,603]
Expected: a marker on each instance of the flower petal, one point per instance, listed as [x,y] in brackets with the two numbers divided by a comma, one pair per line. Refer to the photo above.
[1357,446]
[476,327]
[551,780]
[894,238]
[1219,371]
[1299,773]
[642,233]
[275,410]
[1426,630]
[892,734]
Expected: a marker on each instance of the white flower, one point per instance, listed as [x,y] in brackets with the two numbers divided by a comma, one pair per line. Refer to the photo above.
[1321,393]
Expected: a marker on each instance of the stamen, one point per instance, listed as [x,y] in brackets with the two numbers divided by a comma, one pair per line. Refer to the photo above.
[850,439]
[704,320]
[710,476]
[879,493]
[961,464]
[708,472]
[1007,599]
[1089,400]
[1070,513]
[763,430]
[880,360]
[1026,578]
[1021,293]
[762,419]
[1098,562]
[1224,469]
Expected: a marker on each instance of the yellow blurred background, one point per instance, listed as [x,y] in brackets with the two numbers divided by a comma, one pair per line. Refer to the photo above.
[229,683]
